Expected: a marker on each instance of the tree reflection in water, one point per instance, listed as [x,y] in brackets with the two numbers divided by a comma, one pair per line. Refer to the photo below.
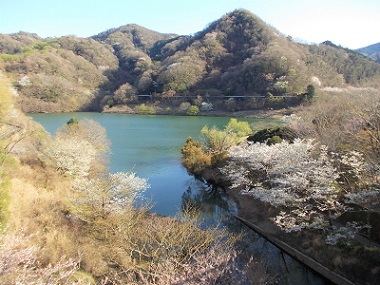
[209,201]
[263,262]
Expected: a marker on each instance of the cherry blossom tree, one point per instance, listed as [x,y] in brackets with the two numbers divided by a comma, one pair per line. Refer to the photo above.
[359,179]
[19,263]
[295,176]
[100,197]
[72,156]
[79,148]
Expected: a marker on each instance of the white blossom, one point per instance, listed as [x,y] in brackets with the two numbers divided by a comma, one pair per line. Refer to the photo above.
[345,234]
[72,156]
[111,194]
[290,119]
[354,160]
[363,196]
[19,263]
[287,175]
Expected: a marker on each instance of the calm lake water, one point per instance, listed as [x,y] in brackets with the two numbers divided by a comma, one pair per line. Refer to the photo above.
[150,146]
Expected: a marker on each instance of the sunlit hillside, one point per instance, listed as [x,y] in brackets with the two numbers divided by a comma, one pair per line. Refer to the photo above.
[65,220]
[237,55]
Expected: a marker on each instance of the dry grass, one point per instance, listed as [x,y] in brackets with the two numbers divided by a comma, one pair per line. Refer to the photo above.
[135,247]
[126,246]
[42,211]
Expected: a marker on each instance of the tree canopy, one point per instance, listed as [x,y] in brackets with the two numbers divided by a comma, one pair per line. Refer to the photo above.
[236,55]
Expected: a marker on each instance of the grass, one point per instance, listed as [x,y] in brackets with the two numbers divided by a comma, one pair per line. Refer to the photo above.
[4,199]
[154,248]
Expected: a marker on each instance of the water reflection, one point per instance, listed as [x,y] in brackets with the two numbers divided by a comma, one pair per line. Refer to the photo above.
[264,263]
[150,146]
[208,200]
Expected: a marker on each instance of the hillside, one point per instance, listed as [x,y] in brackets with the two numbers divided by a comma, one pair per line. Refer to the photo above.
[53,75]
[65,220]
[131,45]
[372,51]
[237,55]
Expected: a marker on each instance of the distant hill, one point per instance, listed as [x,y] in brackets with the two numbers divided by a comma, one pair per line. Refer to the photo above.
[237,55]
[372,51]
[54,75]
[131,44]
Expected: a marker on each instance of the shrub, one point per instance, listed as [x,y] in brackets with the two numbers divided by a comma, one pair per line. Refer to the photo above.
[73,120]
[220,140]
[310,92]
[184,106]
[144,109]
[216,143]
[193,157]
[193,110]
[206,107]
[217,140]
[273,135]
[274,140]
[239,129]
[231,105]
[110,103]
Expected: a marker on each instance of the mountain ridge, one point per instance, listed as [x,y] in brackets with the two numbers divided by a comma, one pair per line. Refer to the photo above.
[372,51]
[236,55]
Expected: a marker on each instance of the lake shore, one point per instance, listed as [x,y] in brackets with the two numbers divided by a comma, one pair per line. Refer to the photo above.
[260,114]
[347,261]
[340,264]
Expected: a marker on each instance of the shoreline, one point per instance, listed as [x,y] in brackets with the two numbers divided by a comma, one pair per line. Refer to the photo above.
[257,114]
[307,247]
[260,114]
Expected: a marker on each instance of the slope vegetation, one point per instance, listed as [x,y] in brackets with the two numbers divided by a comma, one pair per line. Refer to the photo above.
[65,220]
[237,55]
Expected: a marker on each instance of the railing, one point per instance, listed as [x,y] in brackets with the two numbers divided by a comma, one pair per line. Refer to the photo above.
[218,96]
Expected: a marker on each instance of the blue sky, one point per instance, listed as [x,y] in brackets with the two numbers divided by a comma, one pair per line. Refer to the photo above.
[350,23]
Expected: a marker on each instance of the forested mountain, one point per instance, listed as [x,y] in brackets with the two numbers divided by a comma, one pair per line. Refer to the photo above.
[237,55]
[55,74]
[372,51]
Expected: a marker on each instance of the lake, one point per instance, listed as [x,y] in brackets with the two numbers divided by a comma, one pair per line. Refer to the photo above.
[150,146]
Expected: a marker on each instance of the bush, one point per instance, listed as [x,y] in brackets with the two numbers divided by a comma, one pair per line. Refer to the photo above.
[205,107]
[239,129]
[73,120]
[274,140]
[144,109]
[310,92]
[193,157]
[193,110]
[218,140]
[274,135]
[184,106]
[19,263]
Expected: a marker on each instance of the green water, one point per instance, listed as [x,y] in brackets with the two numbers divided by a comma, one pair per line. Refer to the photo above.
[150,146]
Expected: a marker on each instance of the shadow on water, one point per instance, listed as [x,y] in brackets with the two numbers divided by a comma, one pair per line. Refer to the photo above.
[264,263]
